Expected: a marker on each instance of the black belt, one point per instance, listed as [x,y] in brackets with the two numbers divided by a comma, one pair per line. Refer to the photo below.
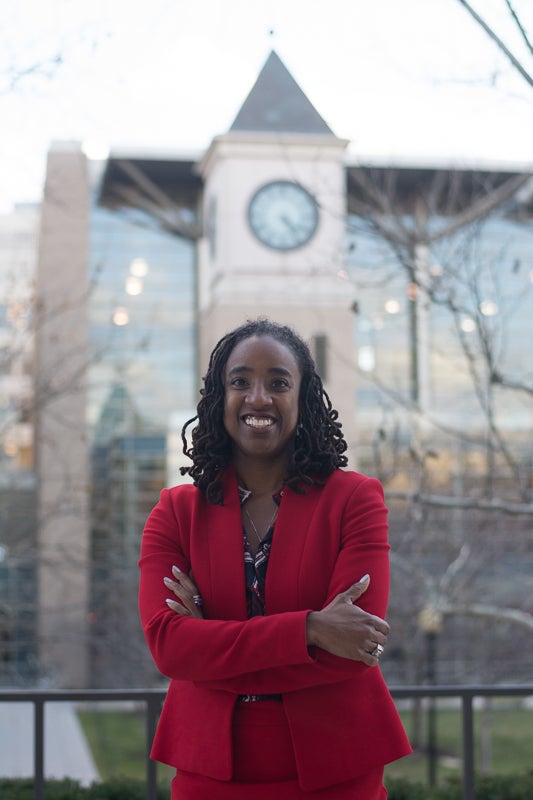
[256,698]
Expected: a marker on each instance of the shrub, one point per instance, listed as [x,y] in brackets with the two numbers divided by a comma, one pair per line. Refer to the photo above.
[499,787]
[23,789]
[118,789]
[493,787]
[404,789]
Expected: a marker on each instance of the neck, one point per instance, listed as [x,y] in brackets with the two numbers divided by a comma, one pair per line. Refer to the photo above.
[260,478]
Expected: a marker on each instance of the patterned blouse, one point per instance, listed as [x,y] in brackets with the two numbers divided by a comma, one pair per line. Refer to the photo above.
[255,569]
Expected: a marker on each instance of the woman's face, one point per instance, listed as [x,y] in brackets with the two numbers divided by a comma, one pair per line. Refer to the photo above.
[262,387]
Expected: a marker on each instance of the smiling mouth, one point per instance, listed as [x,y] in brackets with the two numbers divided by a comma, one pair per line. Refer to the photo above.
[258,422]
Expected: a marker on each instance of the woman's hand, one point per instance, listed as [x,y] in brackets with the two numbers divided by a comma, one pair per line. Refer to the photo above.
[344,629]
[186,590]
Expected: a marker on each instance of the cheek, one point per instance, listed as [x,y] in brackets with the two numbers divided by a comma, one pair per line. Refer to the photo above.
[225,413]
[230,413]
[294,416]
[226,405]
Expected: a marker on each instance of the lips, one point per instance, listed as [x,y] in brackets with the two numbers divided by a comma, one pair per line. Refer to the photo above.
[259,423]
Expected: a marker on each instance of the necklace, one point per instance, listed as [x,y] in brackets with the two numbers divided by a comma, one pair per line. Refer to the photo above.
[252,523]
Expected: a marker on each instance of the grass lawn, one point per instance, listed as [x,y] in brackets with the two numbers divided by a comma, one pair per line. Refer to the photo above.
[508,742]
[116,739]
[117,742]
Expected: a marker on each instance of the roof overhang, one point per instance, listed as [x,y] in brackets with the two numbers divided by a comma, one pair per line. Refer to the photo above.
[173,175]
[443,187]
[173,179]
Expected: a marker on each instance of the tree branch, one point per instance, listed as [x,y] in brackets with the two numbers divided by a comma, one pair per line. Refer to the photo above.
[473,503]
[482,207]
[519,26]
[500,44]
[516,386]
[158,203]
[490,612]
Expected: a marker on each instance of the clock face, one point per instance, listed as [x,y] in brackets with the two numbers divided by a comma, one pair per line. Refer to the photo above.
[283,215]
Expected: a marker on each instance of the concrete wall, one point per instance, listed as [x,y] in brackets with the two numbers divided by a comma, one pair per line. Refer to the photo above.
[60,439]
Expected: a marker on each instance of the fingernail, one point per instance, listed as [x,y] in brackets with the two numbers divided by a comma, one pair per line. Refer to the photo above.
[170,602]
[176,569]
[364,578]
[168,580]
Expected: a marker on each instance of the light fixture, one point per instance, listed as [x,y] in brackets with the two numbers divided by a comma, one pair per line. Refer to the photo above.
[139,267]
[412,292]
[430,619]
[467,325]
[392,306]
[488,308]
[121,316]
[134,285]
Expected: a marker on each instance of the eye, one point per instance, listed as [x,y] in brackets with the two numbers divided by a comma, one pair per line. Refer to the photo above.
[238,382]
[280,383]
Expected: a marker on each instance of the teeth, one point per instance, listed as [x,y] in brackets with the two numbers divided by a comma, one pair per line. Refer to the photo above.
[258,422]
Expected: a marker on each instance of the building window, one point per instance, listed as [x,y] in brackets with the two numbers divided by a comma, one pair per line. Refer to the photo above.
[320,347]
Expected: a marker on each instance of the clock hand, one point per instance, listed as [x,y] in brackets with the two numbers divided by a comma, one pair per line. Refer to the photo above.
[289,223]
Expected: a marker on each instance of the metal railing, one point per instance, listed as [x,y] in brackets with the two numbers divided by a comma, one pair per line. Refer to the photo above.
[150,698]
[467,695]
[153,698]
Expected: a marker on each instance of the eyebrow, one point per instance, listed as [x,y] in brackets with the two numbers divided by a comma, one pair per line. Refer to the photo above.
[272,370]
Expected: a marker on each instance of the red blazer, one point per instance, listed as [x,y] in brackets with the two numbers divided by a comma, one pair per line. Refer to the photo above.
[342,719]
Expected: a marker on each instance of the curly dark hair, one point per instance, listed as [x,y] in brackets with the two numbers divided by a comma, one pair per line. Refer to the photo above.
[319,444]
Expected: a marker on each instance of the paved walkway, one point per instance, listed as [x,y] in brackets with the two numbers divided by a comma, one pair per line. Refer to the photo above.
[67,754]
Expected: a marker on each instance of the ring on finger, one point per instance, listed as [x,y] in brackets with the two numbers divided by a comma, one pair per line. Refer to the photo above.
[377,651]
[197,600]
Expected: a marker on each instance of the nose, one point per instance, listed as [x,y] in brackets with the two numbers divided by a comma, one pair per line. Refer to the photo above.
[258,395]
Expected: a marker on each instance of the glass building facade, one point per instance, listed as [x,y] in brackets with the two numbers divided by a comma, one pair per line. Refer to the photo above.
[140,388]
[141,309]
[479,296]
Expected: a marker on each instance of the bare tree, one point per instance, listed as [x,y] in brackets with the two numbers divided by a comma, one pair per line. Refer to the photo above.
[15,76]
[521,63]
[461,498]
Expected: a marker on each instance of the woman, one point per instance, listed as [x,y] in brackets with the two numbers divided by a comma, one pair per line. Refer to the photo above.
[276,562]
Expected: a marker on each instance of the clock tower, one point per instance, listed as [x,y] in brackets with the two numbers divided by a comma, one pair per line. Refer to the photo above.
[274,211]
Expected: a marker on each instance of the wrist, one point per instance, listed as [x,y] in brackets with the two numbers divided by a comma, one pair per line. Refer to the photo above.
[311,629]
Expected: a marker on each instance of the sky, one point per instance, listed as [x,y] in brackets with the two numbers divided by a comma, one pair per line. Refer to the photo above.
[403,80]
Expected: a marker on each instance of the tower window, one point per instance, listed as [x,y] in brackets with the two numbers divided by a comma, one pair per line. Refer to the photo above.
[320,348]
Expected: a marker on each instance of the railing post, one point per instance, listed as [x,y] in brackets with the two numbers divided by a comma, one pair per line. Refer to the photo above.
[38,748]
[468,747]
[152,710]
[432,749]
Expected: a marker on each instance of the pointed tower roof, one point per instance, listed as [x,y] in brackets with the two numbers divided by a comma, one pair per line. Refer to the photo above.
[277,104]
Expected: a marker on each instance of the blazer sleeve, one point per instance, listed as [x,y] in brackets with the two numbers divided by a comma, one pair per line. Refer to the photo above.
[364,541]
[206,650]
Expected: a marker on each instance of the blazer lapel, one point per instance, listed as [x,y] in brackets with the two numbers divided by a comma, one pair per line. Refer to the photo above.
[292,526]
[224,558]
